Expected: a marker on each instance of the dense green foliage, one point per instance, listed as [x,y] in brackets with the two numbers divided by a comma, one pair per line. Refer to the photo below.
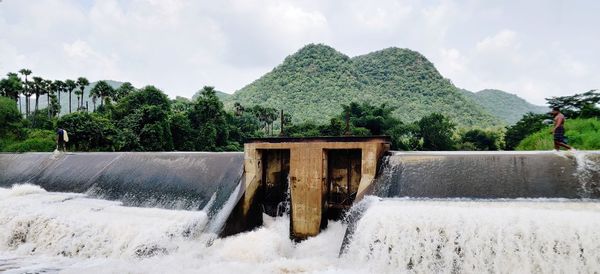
[509,107]
[88,131]
[10,118]
[580,133]
[528,124]
[477,139]
[35,140]
[436,131]
[209,121]
[313,83]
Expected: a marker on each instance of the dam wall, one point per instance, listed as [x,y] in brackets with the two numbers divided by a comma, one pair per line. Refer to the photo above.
[180,180]
[312,180]
[489,175]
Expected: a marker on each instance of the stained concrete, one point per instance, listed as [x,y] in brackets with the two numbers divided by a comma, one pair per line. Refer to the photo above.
[308,174]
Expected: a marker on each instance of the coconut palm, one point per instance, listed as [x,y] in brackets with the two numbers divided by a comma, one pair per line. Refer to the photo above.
[82,82]
[70,86]
[26,89]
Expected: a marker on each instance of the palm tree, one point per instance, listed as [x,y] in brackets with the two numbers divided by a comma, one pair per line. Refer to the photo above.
[38,85]
[82,82]
[102,90]
[26,92]
[70,85]
[94,101]
[48,90]
[59,87]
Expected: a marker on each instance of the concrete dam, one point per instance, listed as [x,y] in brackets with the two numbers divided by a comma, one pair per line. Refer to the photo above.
[364,208]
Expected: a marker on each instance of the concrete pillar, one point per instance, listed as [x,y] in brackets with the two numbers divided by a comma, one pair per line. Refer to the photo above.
[308,174]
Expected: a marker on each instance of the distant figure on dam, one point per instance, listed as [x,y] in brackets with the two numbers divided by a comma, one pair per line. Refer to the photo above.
[61,139]
[559,130]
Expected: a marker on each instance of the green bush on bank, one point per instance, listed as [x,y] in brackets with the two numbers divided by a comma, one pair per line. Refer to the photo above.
[37,140]
[581,134]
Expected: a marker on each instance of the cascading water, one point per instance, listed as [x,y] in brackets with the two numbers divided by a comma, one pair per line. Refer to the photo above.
[283,208]
[588,173]
[400,229]
[485,236]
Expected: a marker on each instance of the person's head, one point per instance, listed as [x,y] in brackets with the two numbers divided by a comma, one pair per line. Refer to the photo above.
[555,111]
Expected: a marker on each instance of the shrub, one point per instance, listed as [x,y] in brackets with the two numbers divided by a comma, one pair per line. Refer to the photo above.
[37,140]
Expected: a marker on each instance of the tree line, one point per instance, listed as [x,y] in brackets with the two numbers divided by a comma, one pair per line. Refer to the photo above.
[131,119]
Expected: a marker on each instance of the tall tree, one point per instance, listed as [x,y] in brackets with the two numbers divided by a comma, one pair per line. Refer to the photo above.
[102,90]
[48,90]
[11,86]
[70,86]
[436,131]
[143,118]
[125,89]
[208,118]
[38,86]
[26,89]
[82,82]
[59,87]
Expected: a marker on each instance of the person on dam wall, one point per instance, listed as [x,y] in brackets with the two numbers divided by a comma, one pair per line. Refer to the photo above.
[559,130]
[61,139]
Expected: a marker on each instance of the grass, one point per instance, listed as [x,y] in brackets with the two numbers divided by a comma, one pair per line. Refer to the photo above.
[580,133]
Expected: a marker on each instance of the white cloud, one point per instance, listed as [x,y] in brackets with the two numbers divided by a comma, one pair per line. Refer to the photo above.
[502,41]
[181,45]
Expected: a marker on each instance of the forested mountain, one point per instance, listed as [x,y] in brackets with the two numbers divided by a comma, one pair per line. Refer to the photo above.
[509,107]
[313,83]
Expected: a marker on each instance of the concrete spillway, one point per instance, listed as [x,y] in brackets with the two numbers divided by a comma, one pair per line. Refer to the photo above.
[424,212]
[489,175]
[318,177]
[168,180]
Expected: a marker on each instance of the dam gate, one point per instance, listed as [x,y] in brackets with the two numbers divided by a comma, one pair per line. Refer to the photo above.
[315,179]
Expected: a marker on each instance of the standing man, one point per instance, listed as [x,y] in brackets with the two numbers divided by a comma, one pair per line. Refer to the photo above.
[559,130]
[60,140]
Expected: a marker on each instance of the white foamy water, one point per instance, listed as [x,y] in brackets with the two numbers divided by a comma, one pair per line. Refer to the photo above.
[69,233]
[461,236]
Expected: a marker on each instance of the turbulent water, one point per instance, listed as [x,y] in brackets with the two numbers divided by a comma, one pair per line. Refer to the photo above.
[63,232]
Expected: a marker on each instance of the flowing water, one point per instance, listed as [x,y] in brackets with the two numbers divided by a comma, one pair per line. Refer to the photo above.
[57,232]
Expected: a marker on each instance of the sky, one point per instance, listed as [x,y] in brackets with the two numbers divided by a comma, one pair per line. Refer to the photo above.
[533,48]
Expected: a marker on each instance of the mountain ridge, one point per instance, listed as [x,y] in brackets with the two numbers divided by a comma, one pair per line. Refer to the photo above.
[314,82]
[508,106]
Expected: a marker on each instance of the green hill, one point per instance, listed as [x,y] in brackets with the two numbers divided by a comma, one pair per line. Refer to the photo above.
[312,84]
[509,107]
